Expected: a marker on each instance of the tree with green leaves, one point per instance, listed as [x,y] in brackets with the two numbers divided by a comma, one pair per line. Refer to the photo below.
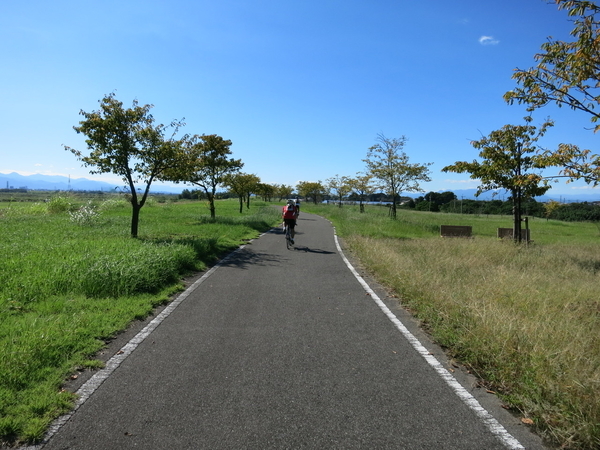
[209,164]
[243,185]
[253,183]
[266,191]
[567,74]
[575,163]
[511,160]
[126,142]
[440,198]
[339,187]
[389,165]
[362,186]
[433,200]
[284,191]
[311,189]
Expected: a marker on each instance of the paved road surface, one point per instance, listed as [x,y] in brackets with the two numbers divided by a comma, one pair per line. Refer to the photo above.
[279,349]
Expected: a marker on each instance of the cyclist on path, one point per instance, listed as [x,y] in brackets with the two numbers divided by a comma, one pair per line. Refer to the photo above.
[290,214]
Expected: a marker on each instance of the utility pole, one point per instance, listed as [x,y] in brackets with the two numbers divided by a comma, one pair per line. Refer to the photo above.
[517,197]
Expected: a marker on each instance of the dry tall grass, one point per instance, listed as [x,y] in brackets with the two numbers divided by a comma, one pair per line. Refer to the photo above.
[526,319]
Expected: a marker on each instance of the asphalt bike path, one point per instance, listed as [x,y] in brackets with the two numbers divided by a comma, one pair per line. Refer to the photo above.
[282,349]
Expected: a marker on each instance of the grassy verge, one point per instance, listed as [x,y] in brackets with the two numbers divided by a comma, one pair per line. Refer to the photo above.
[71,277]
[524,318]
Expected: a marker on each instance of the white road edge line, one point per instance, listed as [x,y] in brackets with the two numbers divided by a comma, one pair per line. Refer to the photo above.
[493,425]
[90,386]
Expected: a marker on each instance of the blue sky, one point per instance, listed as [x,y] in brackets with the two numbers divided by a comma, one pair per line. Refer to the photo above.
[302,88]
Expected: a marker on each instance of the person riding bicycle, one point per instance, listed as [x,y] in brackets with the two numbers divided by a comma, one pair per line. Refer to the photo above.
[290,214]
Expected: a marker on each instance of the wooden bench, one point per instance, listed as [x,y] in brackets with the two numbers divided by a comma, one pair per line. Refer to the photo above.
[507,233]
[455,231]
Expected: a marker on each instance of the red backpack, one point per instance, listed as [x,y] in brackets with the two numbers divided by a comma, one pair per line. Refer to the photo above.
[290,212]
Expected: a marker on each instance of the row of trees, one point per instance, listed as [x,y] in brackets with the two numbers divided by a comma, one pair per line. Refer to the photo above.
[388,171]
[128,143]
[568,212]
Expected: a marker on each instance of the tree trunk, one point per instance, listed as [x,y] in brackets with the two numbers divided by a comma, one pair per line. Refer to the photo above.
[210,194]
[516,194]
[211,202]
[393,208]
[135,218]
[241,204]
[517,215]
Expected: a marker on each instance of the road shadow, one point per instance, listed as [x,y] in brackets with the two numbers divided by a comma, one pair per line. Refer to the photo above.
[312,250]
[246,257]
[278,230]
[250,221]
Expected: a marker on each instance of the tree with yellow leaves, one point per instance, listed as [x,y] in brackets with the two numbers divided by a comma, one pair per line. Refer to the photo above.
[511,160]
[568,74]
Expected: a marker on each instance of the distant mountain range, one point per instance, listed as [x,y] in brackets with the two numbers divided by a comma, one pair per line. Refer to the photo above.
[61,183]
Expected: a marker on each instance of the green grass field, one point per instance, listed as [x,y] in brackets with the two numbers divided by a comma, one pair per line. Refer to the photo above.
[525,319]
[71,277]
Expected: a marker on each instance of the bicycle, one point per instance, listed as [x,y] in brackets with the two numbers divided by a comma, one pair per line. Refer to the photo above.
[289,242]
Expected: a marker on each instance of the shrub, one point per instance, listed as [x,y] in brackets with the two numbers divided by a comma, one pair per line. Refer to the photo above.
[58,204]
[86,215]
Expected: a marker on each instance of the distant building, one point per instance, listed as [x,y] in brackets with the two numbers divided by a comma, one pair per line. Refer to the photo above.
[13,189]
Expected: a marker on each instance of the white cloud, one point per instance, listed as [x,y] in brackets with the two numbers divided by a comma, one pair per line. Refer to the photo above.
[488,40]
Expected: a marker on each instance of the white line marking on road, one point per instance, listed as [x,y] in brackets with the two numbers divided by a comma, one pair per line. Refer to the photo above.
[493,425]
